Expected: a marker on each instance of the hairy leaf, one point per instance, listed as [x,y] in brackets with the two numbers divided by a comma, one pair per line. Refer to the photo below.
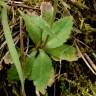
[42,25]
[33,31]
[64,52]
[41,71]
[37,28]
[61,32]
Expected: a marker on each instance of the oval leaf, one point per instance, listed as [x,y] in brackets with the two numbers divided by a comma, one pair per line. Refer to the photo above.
[33,30]
[41,71]
[37,28]
[42,25]
[64,52]
[61,31]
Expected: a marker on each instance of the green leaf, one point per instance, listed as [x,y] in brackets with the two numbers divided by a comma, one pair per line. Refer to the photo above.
[47,12]
[41,71]
[12,74]
[11,46]
[64,52]
[36,26]
[61,32]
[27,68]
[32,29]
[42,25]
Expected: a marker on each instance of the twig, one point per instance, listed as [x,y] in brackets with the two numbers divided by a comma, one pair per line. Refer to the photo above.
[18,4]
[21,42]
[16,39]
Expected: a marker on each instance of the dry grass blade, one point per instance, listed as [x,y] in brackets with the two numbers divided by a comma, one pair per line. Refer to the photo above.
[90,62]
[11,45]
[86,62]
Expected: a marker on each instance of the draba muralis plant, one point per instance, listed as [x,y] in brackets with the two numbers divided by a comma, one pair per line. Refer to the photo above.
[49,38]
